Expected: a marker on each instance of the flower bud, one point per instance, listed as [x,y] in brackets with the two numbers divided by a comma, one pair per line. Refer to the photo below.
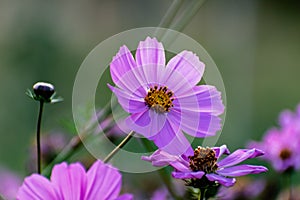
[43,90]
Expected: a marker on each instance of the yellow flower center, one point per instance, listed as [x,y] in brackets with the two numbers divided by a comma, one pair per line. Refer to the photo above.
[159,99]
[204,159]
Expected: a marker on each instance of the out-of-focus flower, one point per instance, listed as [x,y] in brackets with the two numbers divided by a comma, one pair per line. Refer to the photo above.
[51,146]
[9,184]
[289,194]
[243,189]
[281,145]
[165,99]
[290,119]
[101,182]
[205,167]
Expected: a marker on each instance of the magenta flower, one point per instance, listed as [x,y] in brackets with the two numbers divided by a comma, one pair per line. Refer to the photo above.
[281,145]
[9,184]
[205,167]
[164,100]
[71,182]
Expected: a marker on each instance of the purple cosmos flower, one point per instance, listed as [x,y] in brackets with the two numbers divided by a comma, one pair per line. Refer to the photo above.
[281,145]
[281,149]
[164,99]
[205,166]
[9,184]
[101,182]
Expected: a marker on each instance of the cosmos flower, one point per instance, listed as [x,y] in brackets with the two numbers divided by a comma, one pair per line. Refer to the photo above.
[164,99]
[70,182]
[281,149]
[205,167]
[9,184]
[281,145]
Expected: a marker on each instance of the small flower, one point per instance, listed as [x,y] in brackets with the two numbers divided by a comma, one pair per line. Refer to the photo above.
[281,145]
[205,168]
[164,99]
[44,92]
[9,184]
[101,182]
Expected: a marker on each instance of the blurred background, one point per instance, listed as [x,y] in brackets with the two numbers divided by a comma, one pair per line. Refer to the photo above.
[255,44]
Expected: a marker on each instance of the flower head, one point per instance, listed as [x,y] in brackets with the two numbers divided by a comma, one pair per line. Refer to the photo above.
[72,182]
[164,99]
[9,184]
[281,145]
[205,167]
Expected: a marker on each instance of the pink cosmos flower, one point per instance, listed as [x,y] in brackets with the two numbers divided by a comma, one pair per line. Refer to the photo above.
[9,184]
[70,182]
[281,145]
[164,99]
[205,167]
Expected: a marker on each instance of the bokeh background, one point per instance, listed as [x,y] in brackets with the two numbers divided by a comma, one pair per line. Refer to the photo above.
[255,44]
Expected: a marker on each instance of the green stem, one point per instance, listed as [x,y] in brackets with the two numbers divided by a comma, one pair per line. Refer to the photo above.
[38,137]
[111,154]
[169,17]
[202,194]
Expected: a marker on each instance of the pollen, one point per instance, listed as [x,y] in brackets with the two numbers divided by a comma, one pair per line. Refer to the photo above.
[160,99]
[204,159]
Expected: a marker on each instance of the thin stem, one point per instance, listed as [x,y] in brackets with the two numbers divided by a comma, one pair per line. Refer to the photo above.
[168,17]
[38,135]
[202,194]
[289,176]
[111,154]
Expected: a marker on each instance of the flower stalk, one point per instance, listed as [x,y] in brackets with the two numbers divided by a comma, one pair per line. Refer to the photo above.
[38,136]
[123,143]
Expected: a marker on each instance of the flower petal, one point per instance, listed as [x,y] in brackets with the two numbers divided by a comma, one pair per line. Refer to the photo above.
[69,181]
[221,150]
[228,182]
[241,170]
[150,52]
[172,140]
[197,111]
[36,187]
[103,181]
[187,175]
[125,197]
[239,156]
[161,158]
[147,123]
[124,71]
[129,102]
[188,65]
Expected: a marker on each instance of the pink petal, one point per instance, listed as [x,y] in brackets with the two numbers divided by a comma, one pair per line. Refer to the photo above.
[124,72]
[69,181]
[147,123]
[170,139]
[188,65]
[187,175]
[228,182]
[129,102]
[239,156]
[103,181]
[241,170]
[221,150]
[161,158]
[36,187]
[150,52]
